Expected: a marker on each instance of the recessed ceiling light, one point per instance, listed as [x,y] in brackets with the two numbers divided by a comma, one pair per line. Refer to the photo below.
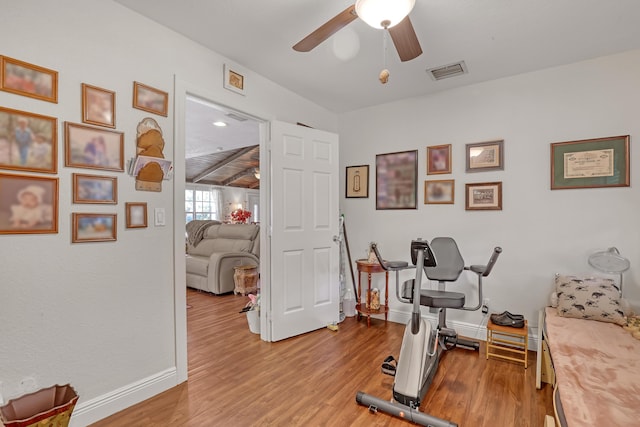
[219,124]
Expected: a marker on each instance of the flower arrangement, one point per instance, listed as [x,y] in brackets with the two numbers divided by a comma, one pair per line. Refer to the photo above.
[240,216]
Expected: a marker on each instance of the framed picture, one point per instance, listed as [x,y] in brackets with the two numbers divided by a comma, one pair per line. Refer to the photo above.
[234,79]
[485,196]
[590,163]
[29,80]
[28,142]
[439,192]
[95,189]
[397,180]
[485,156]
[438,159]
[93,227]
[98,106]
[150,99]
[357,182]
[28,204]
[93,148]
[136,214]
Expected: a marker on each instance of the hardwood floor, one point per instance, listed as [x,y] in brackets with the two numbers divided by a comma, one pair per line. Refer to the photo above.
[235,379]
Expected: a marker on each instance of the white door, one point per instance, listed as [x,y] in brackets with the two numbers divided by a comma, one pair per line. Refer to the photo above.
[305,288]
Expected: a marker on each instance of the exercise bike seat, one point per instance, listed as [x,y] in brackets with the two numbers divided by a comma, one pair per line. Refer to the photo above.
[434,298]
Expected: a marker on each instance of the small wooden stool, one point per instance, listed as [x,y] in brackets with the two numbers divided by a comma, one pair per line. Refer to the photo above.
[505,342]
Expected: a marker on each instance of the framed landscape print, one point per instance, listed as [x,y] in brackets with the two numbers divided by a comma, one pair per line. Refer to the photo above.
[98,106]
[485,156]
[357,182]
[483,196]
[234,79]
[28,204]
[590,163]
[93,227]
[28,142]
[150,99]
[439,192]
[397,180]
[93,148]
[30,80]
[95,189]
[439,159]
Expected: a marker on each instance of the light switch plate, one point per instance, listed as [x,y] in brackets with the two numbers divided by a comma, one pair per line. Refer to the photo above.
[159,216]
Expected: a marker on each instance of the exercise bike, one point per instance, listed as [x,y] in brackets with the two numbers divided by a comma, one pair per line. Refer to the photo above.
[422,345]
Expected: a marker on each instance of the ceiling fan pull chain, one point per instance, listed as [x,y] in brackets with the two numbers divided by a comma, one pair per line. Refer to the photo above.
[384,74]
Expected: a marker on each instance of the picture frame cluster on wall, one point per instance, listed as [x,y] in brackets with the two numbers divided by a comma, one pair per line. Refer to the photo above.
[29,204]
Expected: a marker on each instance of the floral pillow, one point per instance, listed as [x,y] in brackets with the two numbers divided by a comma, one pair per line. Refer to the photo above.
[593,298]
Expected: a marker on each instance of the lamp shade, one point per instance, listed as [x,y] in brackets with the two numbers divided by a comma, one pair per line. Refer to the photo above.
[375,12]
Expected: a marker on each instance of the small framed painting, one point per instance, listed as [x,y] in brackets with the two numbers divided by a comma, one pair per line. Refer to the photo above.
[28,142]
[439,159]
[234,79]
[28,204]
[98,106]
[95,189]
[357,182]
[483,196]
[27,79]
[136,214]
[485,156]
[439,192]
[93,227]
[93,148]
[150,99]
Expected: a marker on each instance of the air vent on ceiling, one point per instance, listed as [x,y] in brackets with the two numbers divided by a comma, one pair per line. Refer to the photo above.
[447,71]
[237,117]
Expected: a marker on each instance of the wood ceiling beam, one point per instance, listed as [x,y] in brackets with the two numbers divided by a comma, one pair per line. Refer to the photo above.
[241,174]
[222,163]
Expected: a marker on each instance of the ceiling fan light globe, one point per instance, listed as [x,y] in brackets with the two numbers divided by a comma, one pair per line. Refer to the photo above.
[375,12]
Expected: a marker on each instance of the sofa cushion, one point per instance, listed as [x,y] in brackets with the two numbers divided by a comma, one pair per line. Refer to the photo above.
[238,231]
[197,265]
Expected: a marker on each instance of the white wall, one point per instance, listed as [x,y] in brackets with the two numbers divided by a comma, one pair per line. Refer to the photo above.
[541,231]
[101,315]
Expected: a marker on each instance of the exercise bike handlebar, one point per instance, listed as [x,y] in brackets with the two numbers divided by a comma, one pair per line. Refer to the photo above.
[485,270]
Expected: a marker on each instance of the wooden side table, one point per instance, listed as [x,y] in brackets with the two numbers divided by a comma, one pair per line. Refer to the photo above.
[505,342]
[363,306]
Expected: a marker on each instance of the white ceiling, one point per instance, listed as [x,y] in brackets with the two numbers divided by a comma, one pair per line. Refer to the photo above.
[495,38]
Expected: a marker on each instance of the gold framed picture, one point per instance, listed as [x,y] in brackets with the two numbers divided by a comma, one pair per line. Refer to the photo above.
[30,80]
[28,204]
[150,99]
[439,192]
[483,196]
[93,227]
[136,214]
[439,159]
[95,189]
[98,106]
[93,148]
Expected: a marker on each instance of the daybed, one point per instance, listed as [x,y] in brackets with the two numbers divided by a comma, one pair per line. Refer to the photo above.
[210,261]
[592,363]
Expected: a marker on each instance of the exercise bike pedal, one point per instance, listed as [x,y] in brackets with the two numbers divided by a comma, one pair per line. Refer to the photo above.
[389,367]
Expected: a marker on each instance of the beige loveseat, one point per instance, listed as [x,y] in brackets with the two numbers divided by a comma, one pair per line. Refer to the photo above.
[211,261]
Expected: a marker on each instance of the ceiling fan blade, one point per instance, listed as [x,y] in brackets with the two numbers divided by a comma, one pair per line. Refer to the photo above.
[405,39]
[326,30]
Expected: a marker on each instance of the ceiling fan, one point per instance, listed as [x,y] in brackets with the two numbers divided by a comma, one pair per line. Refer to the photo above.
[391,15]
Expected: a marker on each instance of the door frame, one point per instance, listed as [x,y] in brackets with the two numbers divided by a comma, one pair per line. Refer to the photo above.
[182,89]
